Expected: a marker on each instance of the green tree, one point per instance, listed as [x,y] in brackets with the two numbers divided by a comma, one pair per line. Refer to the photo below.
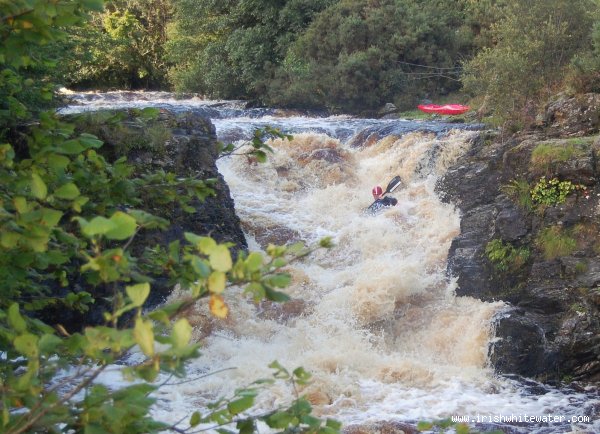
[534,41]
[584,74]
[67,219]
[229,49]
[122,46]
[359,54]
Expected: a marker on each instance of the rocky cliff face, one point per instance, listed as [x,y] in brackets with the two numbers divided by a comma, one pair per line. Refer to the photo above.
[185,145]
[543,260]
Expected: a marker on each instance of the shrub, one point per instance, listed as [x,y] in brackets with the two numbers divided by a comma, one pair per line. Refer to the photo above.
[552,192]
[554,242]
[505,256]
[127,130]
[531,43]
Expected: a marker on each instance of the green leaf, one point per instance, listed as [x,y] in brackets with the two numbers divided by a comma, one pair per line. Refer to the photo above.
[8,240]
[160,316]
[279,420]
[148,220]
[246,426]
[200,266]
[276,295]
[280,280]
[216,282]
[261,156]
[174,248]
[203,244]
[27,344]
[254,261]
[21,204]
[97,226]
[90,141]
[70,147]
[182,333]
[138,293]
[50,217]
[15,319]
[143,334]
[124,226]
[257,290]
[195,419]
[239,405]
[38,187]
[220,258]
[67,191]
[58,162]
[48,343]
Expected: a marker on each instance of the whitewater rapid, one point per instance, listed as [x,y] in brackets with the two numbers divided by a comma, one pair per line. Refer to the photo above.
[374,319]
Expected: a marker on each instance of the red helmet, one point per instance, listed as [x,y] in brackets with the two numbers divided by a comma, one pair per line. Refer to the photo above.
[377,191]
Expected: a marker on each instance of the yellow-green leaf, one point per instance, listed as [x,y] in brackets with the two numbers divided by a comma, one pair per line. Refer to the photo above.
[67,191]
[38,186]
[50,217]
[143,334]
[239,405]
[21,204]
[58,162]
[182,333]
[8,240]
[206,245]
[26,344]
[254,261]
[216,282]
[97,226]
[138,293]
[220,258]
[195,419]
[15,319]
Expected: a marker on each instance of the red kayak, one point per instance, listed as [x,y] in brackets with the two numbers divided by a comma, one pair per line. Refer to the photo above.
[448,109]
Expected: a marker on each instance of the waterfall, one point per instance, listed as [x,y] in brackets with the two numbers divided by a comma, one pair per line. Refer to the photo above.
[374,319]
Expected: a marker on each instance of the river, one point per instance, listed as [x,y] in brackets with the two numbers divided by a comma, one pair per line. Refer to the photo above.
[375,319]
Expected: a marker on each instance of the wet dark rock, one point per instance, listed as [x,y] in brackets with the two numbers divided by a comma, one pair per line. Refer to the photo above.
[274,234]
[331,155]
[388,111]
[511,223]
[519,344]
[190,150]
[552,328]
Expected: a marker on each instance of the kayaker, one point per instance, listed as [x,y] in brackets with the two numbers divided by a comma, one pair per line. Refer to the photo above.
[380,201]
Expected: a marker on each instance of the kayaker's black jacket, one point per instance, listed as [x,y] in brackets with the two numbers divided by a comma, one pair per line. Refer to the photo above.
[382,203]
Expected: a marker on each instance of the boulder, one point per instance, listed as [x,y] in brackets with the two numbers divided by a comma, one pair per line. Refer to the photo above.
[573,116]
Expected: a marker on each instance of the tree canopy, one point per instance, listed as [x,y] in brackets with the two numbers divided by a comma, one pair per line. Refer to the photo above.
[344,55]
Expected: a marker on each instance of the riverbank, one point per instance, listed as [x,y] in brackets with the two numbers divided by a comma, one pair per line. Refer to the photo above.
[524,242]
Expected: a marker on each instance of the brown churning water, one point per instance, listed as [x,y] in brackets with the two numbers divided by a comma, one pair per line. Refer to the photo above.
[375,319]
